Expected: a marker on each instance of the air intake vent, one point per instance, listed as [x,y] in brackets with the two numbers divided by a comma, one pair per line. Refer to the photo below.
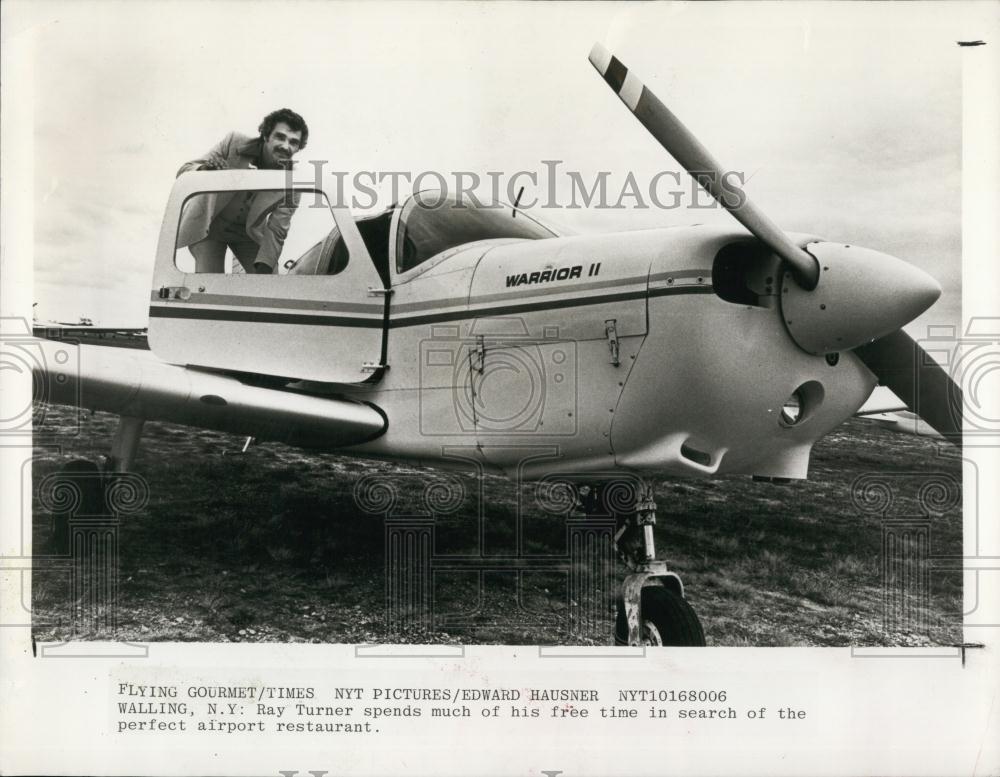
[695,455]
[746,273]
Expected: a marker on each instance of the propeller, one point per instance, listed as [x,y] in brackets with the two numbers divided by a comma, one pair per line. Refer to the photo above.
[907,370]
[835,297]
[683,146]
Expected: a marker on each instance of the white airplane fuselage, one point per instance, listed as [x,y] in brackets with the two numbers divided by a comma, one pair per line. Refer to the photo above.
[524,380]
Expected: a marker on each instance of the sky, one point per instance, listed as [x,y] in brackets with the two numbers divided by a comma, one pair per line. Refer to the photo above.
[845,118]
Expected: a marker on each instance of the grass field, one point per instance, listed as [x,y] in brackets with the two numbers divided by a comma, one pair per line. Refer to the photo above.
[272,545]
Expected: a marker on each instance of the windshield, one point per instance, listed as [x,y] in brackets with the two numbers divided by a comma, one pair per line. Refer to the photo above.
[431,224]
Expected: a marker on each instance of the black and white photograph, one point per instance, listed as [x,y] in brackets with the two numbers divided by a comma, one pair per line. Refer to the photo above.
[358,357]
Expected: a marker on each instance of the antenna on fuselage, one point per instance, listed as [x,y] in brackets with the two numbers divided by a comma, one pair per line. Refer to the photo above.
[513,210]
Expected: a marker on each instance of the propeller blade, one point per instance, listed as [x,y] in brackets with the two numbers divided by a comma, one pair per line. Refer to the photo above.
[681,143]
[901,365]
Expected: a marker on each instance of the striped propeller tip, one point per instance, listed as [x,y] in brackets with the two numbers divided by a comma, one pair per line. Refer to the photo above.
[626,86]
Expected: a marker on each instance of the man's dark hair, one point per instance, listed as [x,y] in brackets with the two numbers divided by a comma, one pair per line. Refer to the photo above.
[295,122]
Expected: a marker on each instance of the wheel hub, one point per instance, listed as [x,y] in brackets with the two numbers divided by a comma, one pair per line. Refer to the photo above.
[651,636]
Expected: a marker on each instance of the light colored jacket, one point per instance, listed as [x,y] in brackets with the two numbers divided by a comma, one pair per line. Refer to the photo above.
[267,220]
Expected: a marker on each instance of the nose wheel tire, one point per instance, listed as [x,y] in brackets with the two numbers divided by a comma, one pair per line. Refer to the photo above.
[667,619]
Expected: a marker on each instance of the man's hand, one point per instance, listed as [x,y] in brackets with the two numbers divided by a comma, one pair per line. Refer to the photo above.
[260,268]
[214,164]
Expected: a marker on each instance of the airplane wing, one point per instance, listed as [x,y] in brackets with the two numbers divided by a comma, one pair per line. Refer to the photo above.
[882,400]
[133,383]
[889,411]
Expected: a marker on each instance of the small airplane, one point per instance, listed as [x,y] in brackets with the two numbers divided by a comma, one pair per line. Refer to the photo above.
[443,335]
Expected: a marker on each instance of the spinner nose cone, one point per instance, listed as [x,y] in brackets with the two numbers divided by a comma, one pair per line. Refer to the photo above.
[861,295]
[917,291]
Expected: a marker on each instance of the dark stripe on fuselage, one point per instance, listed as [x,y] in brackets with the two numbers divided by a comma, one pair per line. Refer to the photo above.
[255,316]
[673,291]
[259,317]
[549,305]
[201,298]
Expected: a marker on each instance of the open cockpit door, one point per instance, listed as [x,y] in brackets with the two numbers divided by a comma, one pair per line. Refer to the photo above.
[319,314]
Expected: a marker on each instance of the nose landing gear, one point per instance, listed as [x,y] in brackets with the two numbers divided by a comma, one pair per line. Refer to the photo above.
[656,615]
[652,609]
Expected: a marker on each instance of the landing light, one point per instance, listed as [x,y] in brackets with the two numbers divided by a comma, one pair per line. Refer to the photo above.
[802,404]
[791,411]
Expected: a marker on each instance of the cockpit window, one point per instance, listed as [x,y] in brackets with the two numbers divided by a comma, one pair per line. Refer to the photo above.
[431,223]
[330,256]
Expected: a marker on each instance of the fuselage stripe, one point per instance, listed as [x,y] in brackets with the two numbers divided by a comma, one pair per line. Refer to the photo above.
[239,300]
[260,317]
[256,316]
